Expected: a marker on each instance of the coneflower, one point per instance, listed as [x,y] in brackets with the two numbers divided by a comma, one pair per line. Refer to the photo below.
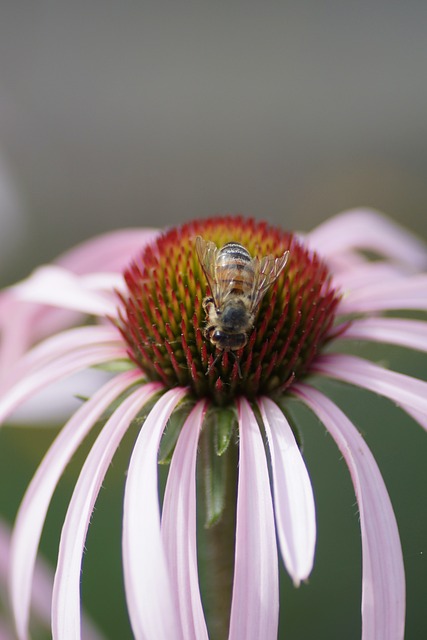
[222,412]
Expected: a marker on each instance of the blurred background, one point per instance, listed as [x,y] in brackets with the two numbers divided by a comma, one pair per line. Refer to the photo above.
[148,113]
[151,113]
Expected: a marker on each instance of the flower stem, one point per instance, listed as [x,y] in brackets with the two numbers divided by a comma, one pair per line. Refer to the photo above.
[216,541]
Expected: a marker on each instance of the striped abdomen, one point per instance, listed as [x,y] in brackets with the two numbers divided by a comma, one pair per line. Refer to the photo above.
[234,269]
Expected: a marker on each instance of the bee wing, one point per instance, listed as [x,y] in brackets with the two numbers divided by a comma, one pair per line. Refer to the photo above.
[267,270]
[207,253]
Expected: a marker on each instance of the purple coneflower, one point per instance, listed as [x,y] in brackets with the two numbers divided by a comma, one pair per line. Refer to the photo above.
[224,412]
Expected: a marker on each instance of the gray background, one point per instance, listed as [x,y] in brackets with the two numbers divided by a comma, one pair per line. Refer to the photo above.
[148,113]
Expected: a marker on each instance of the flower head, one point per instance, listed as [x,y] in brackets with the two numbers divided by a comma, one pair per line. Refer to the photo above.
[201,401]
[162,318]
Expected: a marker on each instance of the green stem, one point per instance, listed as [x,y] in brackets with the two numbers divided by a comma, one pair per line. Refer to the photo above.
[216,542]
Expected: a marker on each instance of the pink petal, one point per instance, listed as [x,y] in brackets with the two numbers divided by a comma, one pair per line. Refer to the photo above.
[151,606]
[293,495]
[341,264]
[179,527]
[358,277]
[368,229]
[406,333]
[108,252]
[33,509]
[22,323]
[400,388]
[55,404]
[255,605]
[66,365]
[66,588]
[41,598]
[417,416]
[407,293]
[15,330]
[102,281]
[42,594]
[4,552]
[383,579]
[55,286]
[66,342]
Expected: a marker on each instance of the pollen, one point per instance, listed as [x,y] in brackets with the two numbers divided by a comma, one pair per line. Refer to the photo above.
[164,323]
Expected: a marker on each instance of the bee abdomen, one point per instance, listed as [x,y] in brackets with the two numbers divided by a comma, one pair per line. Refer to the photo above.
[234,252]
[234,267]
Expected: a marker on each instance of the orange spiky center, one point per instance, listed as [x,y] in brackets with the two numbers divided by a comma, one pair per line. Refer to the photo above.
[161,315]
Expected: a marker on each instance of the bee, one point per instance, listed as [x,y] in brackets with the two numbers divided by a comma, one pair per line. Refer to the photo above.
[238,283]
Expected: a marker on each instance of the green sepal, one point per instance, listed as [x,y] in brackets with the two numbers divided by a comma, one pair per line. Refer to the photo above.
[81,397]
[218,430]
[115,366]
[225,423]
[215,484]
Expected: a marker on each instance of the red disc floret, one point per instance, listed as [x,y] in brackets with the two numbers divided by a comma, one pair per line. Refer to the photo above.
[162,319]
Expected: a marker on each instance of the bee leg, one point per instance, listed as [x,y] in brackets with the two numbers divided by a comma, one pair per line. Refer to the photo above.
[211,366]
[219,356]
[208,331]
[206,304]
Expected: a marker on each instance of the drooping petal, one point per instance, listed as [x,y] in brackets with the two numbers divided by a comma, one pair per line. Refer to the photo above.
[62,367]
[357,277]
[421,418]
[293,495]
[108,252]
[406,293]
[15,330]
[255,604]
[406,333]
[383,579]
[34,506]
[56,400]
[56,286]
[41,599]
[4,552]
[42,596]
[23,323]
[102,281]
[55,404]
[148,588]
[66,588]
[179,527]
[400,388]
[59,345]
[368,229]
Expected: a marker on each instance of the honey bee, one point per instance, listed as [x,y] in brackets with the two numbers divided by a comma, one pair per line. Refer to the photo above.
[238,283]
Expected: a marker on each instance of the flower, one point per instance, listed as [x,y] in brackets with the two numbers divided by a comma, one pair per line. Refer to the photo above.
[149,329]
[41,596]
